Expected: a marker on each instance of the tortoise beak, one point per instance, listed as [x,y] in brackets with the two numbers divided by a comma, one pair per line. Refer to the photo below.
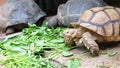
[68,41]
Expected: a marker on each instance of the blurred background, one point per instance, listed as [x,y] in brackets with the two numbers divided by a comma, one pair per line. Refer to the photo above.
[50,6]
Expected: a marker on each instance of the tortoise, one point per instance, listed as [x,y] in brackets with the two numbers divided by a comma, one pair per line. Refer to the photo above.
[71,11]
[99,24]
[16,14]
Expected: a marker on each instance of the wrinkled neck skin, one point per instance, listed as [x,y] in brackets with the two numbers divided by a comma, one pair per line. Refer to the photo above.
[78,34]
[60,23]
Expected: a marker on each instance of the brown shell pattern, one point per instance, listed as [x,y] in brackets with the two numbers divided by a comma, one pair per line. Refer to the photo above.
[102,20]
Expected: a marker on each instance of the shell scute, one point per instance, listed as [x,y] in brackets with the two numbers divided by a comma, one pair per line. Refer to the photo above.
[104,21]
[87,15]
[109,29]
[99,18]
[112,14]
[116,28]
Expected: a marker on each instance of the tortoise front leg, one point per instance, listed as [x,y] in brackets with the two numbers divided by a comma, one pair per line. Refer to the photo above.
[89,42]
[52,22]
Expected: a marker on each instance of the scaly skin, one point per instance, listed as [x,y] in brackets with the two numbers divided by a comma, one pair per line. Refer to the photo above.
[79,36]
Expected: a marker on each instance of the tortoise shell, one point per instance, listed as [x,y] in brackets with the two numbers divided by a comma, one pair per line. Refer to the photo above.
[71,10]
[14,12]
[103,20]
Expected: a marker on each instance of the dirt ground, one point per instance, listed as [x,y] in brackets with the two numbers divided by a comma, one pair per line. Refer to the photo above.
[89,61]
[101,61]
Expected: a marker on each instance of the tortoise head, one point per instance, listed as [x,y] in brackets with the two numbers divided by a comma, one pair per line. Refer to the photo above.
[69,36]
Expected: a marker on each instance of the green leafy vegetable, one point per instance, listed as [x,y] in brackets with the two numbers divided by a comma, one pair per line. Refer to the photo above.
[26,50]
[67,54]
[25,61]
[74,63]
[111,54]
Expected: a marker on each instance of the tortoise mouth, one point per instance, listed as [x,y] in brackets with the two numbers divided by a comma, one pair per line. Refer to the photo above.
[69,41]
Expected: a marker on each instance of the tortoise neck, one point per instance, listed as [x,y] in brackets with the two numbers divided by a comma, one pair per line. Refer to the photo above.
[78,34]
[80,31]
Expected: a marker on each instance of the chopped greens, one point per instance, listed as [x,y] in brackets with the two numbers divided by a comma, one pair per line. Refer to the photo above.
[74,63]
[67,54]
[111,54]
[27,50]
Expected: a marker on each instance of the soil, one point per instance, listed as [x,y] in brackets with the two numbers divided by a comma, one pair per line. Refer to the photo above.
[90,61]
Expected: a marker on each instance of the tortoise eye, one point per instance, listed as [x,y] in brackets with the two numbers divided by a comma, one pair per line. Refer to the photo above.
[67,32]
